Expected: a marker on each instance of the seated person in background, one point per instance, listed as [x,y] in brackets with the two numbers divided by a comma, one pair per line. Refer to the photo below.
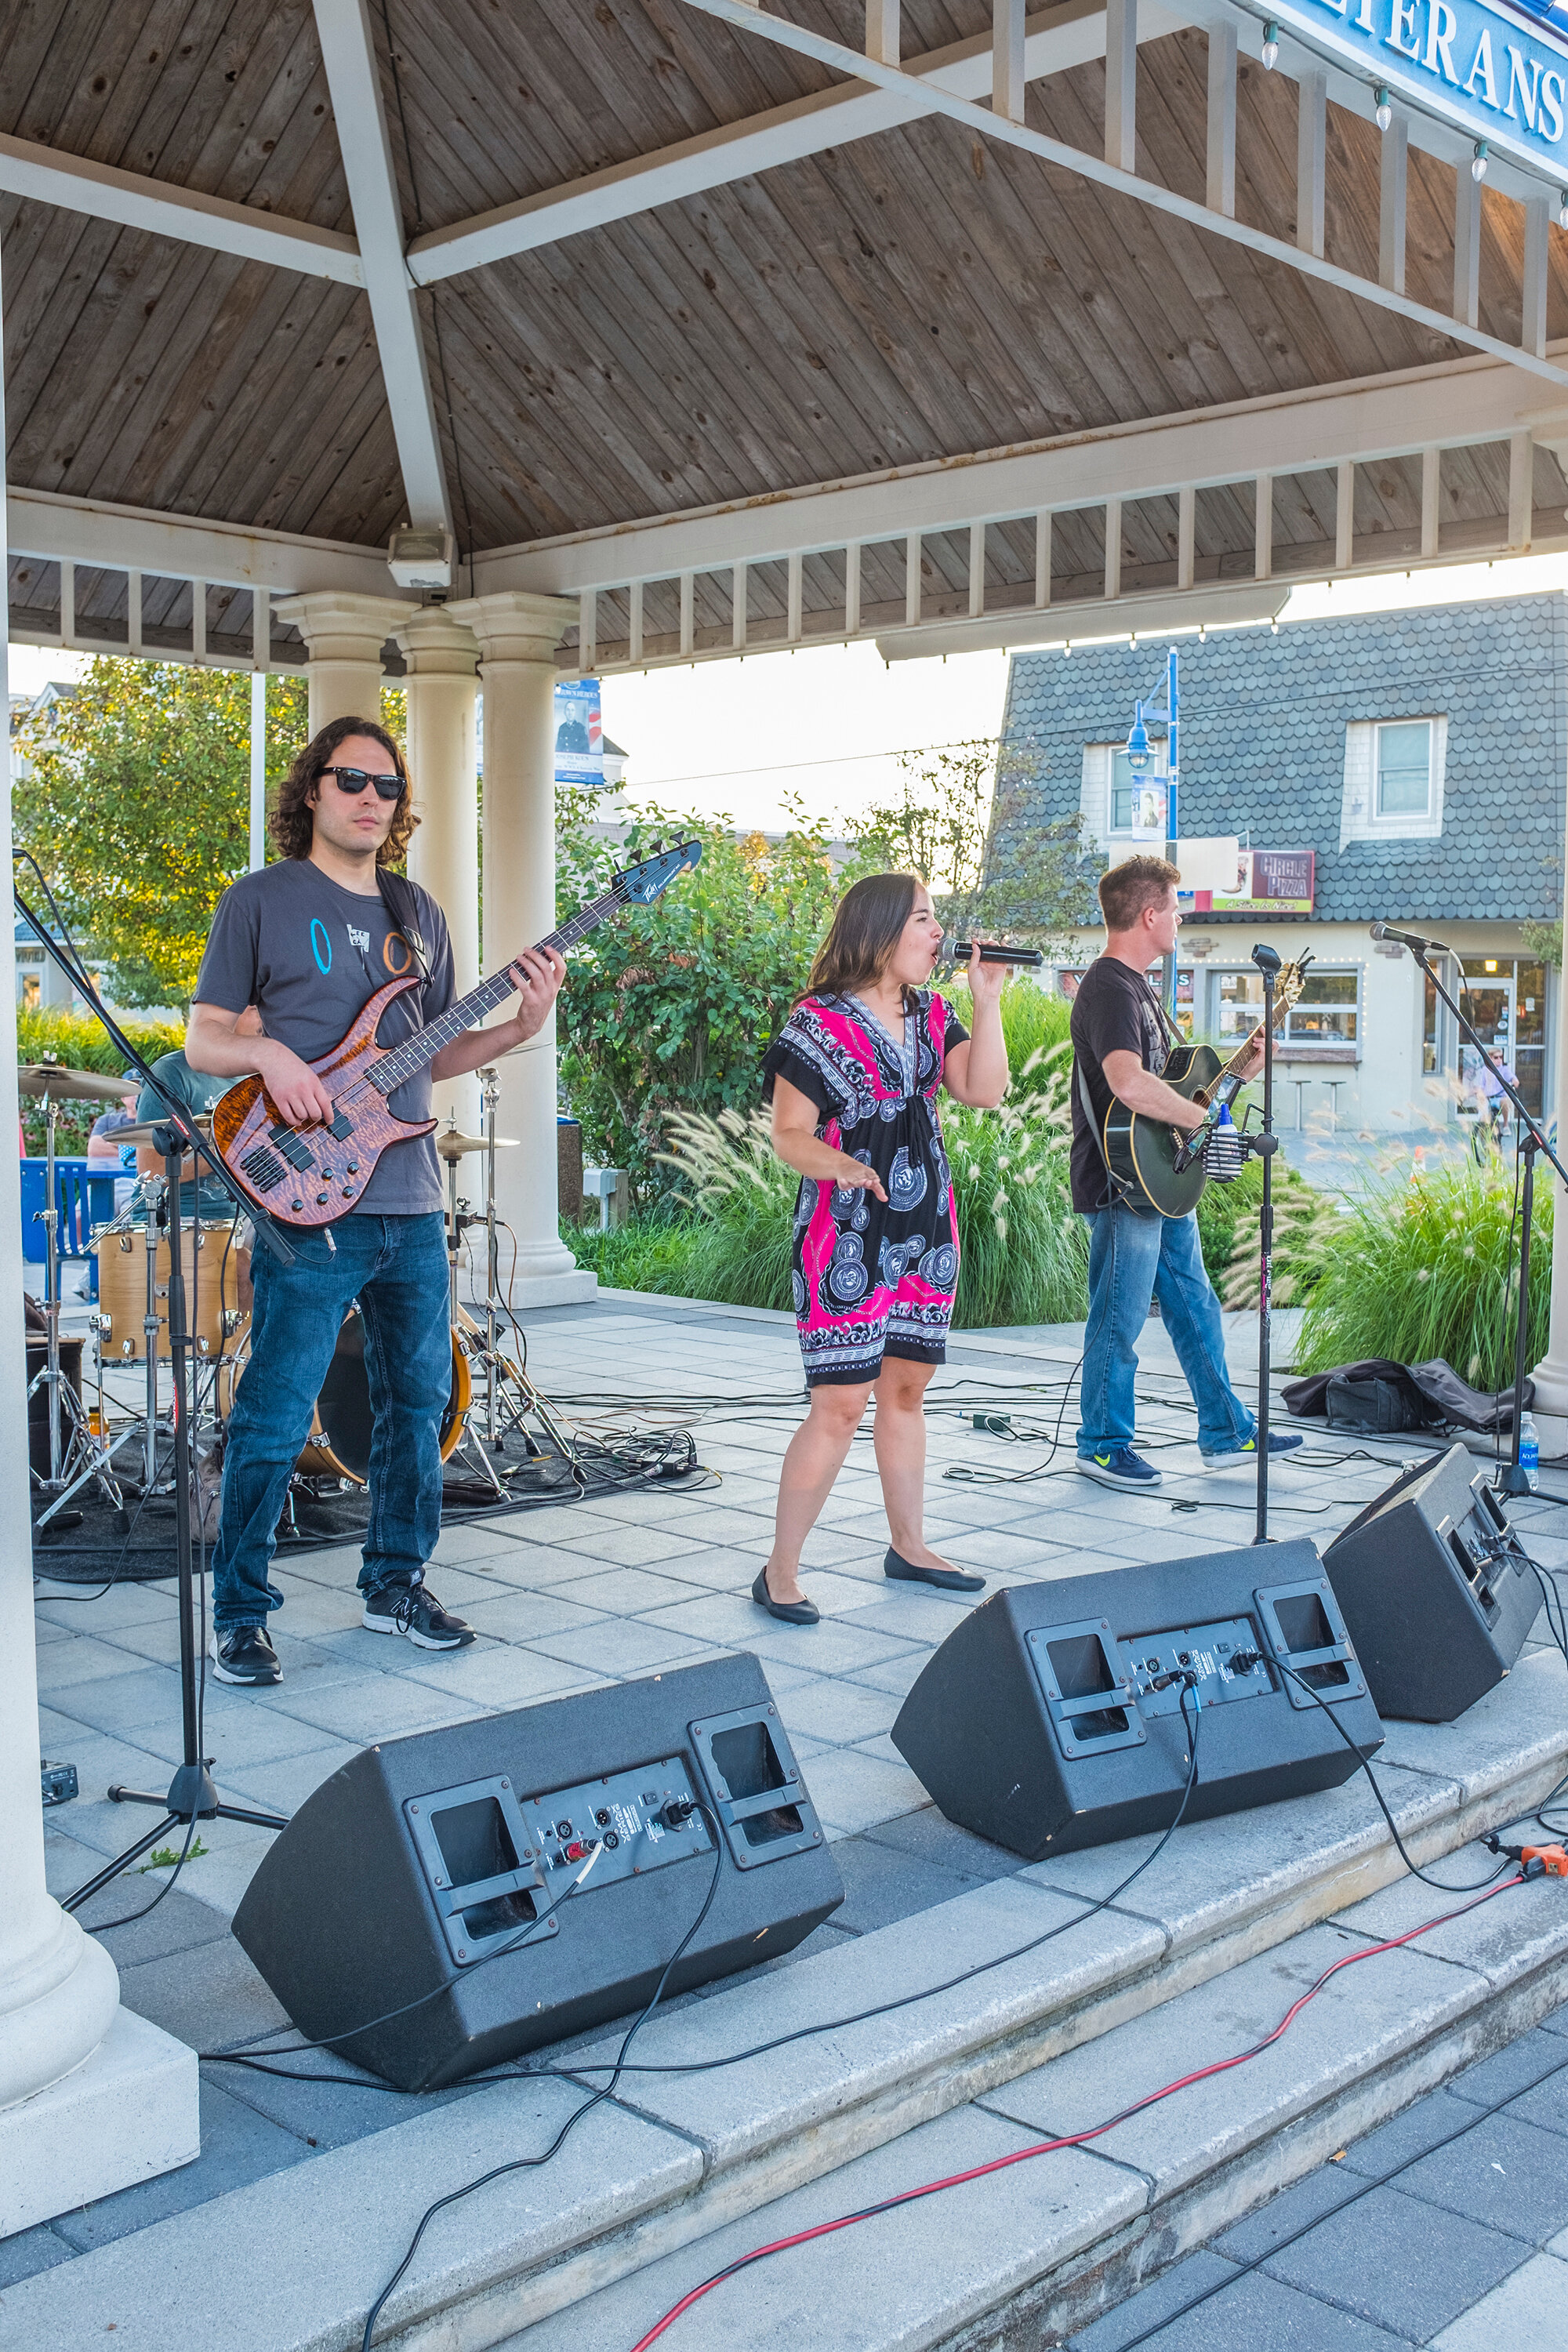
[211,1200]
[101,1142]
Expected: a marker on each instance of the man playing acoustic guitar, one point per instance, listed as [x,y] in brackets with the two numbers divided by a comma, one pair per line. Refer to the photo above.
[308,940]
[1120,1042]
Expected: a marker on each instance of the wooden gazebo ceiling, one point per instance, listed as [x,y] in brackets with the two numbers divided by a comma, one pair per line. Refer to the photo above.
[916,296]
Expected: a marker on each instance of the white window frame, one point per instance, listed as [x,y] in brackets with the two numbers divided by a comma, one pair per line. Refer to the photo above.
[1359,817]
[1097,806]
[1350,1051]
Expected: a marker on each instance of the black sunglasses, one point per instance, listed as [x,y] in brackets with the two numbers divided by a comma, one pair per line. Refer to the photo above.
[354,780]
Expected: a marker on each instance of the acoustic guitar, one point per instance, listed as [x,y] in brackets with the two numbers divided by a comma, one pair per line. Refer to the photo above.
[1154,1165]
[308,1175]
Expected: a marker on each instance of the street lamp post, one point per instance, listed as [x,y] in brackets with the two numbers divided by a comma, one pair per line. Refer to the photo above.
[1139,755]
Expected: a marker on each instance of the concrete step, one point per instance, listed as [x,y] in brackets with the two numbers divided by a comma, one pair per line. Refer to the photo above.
[1031,2253]
[292,2262]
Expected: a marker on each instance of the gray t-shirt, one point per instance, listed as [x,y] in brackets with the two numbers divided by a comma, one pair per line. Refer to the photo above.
[308,953]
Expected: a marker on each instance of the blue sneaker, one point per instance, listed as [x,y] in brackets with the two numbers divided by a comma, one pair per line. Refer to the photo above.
[1118,1466]
[1281,1440]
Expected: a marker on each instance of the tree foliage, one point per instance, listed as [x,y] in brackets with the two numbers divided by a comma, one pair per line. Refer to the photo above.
[135,803]
[672,1007]
[963,817]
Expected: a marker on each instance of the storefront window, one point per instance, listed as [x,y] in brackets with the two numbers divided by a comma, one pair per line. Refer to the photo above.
[1327,1012]
[1504,998]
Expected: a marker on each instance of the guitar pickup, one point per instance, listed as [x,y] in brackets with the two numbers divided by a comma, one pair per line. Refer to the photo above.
[342,1126]
[262,1168]
[294,1152]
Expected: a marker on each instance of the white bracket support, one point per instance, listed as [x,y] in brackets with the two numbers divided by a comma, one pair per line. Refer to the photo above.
[912,580]
[882,32]
[852,589]
[1186,535]
[1466,248]
[1007,60]
[1537,242]
[976,570]
[1312,161]
[738,611]
[260,629]
[588,632]
[1392,178]
[1122,83]
[1431,510]
[1043,558]
[1344,516]
[688,613]
[68,601]
[634,622]
[1520,491]
[795,596]
[133,612]
[1263,530]
[1220,195]
[1112,547]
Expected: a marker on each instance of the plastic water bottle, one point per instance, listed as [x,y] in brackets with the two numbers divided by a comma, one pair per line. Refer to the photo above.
[1529,1452]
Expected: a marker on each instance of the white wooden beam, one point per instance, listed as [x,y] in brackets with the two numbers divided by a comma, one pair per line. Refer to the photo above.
[1312,161]
[1112,547]
[1121,84]
[1042,558]
[882,31]
[1520,491]
[1186,535]
[1088,620]
[93,531]
[1431,510]
[1392,179]
[1344,515]
[982,123]
[1055,40]
[1263,528]
[77,185]
[1466,248]
[1537,243]
[1220,195]
[354,79]
[1007,60]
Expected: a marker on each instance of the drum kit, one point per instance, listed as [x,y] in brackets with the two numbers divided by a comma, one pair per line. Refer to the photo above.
[493,1410]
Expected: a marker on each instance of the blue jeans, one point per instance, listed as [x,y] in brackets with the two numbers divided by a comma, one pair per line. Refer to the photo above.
[396,1268]
[1127,1254]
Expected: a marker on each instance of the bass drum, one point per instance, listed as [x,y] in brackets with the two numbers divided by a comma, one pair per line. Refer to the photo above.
[341,1425]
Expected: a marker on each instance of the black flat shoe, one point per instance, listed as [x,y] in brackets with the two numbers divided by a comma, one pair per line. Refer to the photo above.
[946,1579]
[791,1612]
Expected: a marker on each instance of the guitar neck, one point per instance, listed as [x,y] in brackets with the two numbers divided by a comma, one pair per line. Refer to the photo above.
[416,1053]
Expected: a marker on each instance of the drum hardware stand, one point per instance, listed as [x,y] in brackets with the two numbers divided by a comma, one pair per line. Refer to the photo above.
[76,1458]
[191,1796]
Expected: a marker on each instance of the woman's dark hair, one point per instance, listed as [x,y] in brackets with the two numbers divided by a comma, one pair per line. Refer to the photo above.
[291,824]
[867,925]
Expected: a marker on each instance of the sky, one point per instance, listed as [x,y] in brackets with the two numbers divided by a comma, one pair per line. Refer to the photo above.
[827,722]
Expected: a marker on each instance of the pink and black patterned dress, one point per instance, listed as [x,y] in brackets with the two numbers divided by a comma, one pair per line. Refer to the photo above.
[872,1278]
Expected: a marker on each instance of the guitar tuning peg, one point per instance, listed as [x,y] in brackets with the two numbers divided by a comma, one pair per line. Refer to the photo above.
[657,848]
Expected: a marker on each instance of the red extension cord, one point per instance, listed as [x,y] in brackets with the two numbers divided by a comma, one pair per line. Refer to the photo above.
[1073,2139]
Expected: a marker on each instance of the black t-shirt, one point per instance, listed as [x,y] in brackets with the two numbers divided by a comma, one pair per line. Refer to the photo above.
[1115,1010]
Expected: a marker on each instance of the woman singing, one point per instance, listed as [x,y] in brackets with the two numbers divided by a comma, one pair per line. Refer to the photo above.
[854,1075]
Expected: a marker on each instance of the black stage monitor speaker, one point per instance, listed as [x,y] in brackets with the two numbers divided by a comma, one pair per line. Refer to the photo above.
[429,1877]
[1437,1588]
[1051,1718]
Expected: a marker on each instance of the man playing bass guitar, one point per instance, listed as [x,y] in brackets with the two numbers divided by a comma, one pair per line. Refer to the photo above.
[307,940]
[1120,1042]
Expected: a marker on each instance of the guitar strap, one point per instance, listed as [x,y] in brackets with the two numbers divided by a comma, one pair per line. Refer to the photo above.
[397,896]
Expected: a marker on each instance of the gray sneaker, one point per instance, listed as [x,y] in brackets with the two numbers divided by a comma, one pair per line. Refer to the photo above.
[414,1610]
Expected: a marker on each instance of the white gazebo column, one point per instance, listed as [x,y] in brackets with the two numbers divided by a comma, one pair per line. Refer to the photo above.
[343,636]
[91,2097]
[518,633]
[444,855]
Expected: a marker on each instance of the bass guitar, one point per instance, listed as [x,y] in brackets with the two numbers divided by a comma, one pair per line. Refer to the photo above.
[308,1175]
[1154,1165]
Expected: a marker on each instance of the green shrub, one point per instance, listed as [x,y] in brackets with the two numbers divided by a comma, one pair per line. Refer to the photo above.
[728,1236]
[78,1041]
[1306,1228]
[1431,1268]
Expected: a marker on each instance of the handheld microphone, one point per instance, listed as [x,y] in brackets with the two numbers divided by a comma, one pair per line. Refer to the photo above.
[1408,939]
[992,952]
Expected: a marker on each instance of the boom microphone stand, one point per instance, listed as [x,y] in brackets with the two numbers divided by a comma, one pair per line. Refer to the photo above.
[1264,1145]
[1531,1140]
[192,1796]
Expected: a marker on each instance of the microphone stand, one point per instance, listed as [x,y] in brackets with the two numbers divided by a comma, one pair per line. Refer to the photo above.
[1264,1145]
[1531,1140]
[192,1795]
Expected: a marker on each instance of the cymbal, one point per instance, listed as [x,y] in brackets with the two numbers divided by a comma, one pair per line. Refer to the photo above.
[72,1086]
[145,1130]
[452,1146]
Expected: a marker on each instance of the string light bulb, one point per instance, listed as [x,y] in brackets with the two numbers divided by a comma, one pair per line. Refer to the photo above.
[1479,163]
[1271,50]
[1384,114]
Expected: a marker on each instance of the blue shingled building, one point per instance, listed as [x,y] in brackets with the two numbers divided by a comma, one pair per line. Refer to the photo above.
[1408,766]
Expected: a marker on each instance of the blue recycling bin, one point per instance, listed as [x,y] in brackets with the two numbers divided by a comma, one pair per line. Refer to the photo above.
[83,1201]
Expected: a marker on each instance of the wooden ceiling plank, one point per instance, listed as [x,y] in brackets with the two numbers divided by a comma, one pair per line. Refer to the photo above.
[29,38]
[263,391]
[507,472]
[55,375]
